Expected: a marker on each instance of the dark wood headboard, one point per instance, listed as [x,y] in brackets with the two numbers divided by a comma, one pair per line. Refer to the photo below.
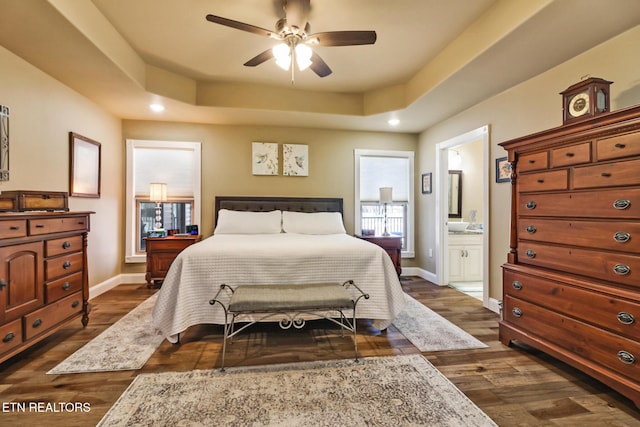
[266,204]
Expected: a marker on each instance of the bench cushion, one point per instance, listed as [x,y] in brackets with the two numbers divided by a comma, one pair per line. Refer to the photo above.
[266,298]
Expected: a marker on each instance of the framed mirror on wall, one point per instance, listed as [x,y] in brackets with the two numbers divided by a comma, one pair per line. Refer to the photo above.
[455,194]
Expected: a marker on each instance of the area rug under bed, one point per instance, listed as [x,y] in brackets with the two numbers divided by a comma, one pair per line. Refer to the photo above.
[125,345]
[380,391]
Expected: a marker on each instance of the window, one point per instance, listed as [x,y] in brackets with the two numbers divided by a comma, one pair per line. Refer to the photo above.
[176,164]
[375,169]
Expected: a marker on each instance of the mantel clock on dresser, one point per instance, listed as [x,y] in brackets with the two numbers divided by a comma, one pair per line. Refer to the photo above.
[585,100]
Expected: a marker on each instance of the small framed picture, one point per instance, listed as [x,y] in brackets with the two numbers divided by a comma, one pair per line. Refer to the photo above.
[503,170]
[426,183]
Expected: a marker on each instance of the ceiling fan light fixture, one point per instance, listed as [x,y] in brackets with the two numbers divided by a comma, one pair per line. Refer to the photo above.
[303,56]
[282,54]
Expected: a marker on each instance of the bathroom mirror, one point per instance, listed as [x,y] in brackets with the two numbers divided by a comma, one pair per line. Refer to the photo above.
[455,194]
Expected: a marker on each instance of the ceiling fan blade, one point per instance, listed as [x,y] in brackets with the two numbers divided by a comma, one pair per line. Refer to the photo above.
[259,59]
[240,26]
[344,38]
[319,66]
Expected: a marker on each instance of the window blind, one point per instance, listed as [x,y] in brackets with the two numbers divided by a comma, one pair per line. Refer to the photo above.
[376,172]
[173,166]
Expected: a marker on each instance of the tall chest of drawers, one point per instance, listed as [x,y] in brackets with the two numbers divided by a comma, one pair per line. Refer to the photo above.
[571,284]
[43,276]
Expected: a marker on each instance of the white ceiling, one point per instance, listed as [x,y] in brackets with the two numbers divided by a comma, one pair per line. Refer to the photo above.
[432,58]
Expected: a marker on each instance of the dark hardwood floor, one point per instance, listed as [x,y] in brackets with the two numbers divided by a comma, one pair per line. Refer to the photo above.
[515,386]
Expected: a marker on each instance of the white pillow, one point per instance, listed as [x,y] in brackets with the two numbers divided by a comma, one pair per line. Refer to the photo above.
[312,223]
[245,222]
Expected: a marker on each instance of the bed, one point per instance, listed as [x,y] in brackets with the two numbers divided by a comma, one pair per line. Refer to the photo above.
[274,240]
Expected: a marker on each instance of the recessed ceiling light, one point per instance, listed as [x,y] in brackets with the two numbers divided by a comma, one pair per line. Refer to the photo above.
[394,122]
[157,108]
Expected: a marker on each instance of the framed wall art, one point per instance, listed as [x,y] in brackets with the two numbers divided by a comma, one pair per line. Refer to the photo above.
[295,160]
[264,158]
[503,170]
[426,183]
[84,174]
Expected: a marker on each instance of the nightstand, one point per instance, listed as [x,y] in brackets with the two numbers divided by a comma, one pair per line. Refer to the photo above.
[161,251]
[391,244]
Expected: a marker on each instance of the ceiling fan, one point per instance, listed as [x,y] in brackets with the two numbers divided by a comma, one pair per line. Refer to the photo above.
[293,31]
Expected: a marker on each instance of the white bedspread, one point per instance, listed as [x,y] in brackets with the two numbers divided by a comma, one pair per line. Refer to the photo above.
[196,274]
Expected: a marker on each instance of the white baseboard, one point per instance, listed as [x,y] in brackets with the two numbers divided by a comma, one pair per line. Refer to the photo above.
[111,283]
[416,271]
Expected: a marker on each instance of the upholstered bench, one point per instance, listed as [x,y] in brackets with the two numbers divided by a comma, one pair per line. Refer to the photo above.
[323,300]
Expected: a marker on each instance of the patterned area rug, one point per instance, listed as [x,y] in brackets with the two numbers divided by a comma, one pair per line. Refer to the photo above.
[125,345]
[429,331]
[380,391]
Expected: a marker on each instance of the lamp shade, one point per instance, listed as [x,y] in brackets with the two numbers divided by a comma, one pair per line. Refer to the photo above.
[386,194]
[158,192]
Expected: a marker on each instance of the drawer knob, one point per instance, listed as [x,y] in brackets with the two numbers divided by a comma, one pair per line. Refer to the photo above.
[621,237]
[626,357]
[605,174]
[618,145]
[39,225]
[621,269]
[36,323]
[66,265]
[66,286]
[531,204]
[621,204]
[540,180]
[517,312]
[531,161]
[9,337]
[531,229]
[530,253]
[75,303]
[570,154]
[14,228]
[66,244]
[516,285]
[626,318]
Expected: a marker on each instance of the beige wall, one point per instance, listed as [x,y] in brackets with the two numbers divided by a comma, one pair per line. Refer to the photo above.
[226,161]
[43,112]
[532,106]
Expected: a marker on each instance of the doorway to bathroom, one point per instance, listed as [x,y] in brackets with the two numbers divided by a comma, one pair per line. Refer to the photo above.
[462,167]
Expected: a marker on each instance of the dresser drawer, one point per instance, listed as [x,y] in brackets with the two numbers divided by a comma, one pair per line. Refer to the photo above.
[58,225]
[62,287]
[607,175]
[573,155]
[49,316]
[609,266]
[14,228]
[63,265]
[618,147]
[544,181]
[10,335]
[605,348]
[614,204]
[617,236]
[604,310]
[531,162]
[63,246]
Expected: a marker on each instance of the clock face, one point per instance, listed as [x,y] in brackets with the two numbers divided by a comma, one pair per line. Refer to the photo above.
[579,104]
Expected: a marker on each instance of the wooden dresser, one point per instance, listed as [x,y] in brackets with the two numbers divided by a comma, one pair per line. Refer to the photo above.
[43,276]
[571,285]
